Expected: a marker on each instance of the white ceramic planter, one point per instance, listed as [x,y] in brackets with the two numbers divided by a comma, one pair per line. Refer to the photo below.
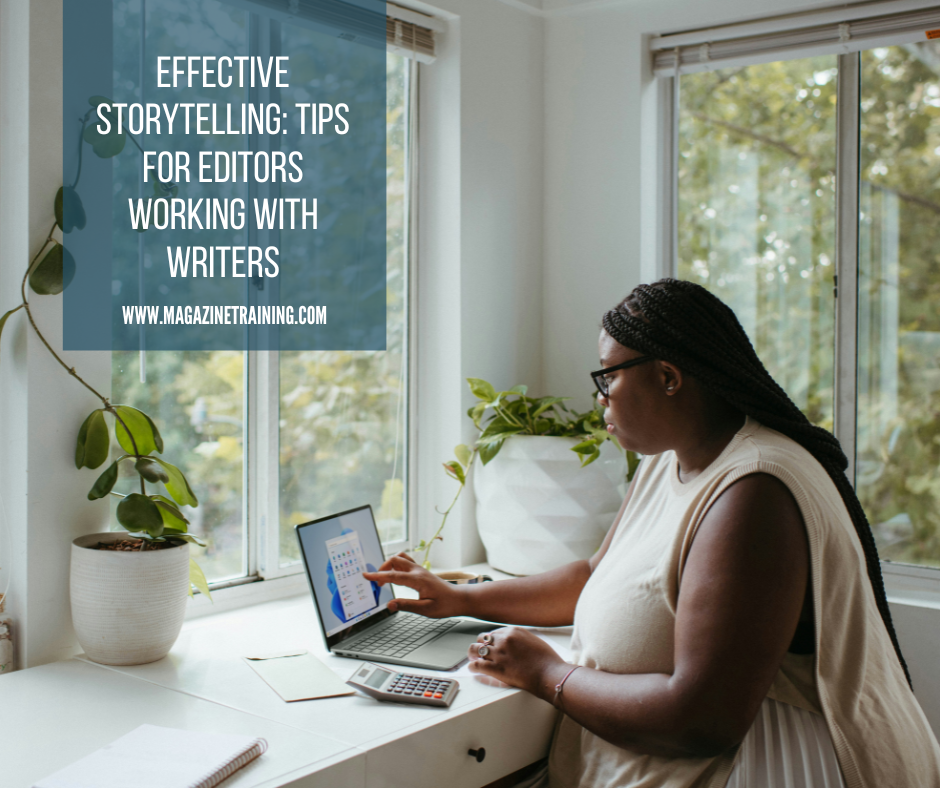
[538,509]
[127,607]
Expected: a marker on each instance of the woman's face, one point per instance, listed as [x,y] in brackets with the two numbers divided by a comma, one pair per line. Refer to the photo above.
[636,408]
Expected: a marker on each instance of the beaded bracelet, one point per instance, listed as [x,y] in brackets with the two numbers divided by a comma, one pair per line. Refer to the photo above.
[561,684]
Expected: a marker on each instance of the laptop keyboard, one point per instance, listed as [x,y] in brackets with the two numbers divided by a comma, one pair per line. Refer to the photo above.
[406,633]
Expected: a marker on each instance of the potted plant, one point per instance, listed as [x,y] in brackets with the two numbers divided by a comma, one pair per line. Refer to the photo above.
[128,589]
[541,499]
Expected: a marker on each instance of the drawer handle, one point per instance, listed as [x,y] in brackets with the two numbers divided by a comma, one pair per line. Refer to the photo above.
[478,754]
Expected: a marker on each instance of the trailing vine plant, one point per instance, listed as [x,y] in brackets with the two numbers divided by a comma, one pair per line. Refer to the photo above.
[151,518]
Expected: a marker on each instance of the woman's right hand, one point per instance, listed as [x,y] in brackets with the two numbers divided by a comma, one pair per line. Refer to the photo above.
[436,598]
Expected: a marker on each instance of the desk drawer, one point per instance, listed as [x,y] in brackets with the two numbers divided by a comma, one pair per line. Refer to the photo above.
[514,730]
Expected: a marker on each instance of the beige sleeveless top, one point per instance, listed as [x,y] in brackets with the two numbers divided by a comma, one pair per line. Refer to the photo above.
[625,621]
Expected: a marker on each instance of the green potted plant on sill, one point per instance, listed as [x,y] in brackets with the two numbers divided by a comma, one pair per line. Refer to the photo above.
[539,505]
[128,590]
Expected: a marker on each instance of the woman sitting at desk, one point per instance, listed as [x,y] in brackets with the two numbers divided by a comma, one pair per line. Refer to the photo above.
[732,630]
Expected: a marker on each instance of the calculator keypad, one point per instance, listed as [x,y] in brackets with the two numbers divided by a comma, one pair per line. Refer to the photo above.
[405,684]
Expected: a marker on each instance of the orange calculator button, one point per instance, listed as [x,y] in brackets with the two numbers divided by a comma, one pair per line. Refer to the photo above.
[428,694]
[438,694]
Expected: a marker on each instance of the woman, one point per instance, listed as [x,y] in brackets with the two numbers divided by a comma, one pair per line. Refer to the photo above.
[732,630]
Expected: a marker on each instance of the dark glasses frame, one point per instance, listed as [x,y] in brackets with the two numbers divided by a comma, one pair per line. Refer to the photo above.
[601,382]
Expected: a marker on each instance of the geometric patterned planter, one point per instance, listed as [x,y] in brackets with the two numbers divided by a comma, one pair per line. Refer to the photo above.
[538,509]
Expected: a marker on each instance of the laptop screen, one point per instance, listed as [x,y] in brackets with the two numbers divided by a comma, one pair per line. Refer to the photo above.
[336,551]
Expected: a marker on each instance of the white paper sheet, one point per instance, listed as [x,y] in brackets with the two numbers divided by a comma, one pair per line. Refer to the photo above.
[298,675]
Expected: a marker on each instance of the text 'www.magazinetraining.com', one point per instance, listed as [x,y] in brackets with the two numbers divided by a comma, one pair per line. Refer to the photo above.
[225,315]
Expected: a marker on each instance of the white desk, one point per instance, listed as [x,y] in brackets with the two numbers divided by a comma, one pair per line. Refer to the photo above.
[55,714]
[66,710]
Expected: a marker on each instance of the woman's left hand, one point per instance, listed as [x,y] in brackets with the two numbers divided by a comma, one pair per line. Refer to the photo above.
[516,657]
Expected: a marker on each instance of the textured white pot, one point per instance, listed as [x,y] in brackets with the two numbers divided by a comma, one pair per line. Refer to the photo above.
[538,509]
[127,607]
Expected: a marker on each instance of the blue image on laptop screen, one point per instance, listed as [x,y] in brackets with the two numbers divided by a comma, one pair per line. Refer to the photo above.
[337,552]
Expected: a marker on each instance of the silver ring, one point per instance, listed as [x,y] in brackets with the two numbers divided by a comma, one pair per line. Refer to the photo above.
[483,651]
[487,638]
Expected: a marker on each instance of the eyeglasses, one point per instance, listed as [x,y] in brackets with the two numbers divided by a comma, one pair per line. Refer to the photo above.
[600,377]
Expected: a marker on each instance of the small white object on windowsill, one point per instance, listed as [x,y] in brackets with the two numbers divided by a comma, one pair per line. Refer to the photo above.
[6,642]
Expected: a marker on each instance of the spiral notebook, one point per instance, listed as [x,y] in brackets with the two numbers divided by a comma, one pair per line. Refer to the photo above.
[155,757]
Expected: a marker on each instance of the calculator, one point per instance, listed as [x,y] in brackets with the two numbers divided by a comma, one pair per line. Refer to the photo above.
[384,684]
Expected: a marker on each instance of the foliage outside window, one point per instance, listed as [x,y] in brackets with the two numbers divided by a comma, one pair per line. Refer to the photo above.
[343,415]
[756,225]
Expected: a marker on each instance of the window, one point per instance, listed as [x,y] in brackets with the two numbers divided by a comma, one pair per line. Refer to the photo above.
[764,156]
[271,439]
[756,221]
[343,415]
[898,443]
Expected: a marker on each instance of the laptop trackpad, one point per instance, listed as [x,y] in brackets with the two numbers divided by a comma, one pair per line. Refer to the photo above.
[451,649]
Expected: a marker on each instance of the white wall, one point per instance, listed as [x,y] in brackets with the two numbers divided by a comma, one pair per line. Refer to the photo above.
[480,239]
[41,407]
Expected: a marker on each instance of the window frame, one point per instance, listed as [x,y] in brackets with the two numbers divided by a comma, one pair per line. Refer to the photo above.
[902,581]
[266,579]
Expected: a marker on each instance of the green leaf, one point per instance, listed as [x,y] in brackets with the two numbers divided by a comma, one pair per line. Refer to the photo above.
[498,430]
[105,483]
[585,447]
[463,454]
[481,389]
[173,518]
[455,471]
[521,390]
[54,271]
[3,320]
[587,459]
[166,189]
[93,443]
[546,402]
[143,429]
[490,450]
[69,211]
[187,538]
[198,579]
[476,413]
[151,471]
[104,145]
[138,513]
[177,486]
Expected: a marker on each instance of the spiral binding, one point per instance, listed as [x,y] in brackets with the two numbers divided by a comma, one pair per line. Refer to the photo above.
[255,749]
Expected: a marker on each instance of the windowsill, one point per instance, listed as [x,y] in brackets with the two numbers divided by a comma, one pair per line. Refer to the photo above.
[905,585]
[258,592]
[917,586]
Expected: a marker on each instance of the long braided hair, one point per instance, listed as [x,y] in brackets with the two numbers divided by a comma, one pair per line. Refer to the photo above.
[683,323]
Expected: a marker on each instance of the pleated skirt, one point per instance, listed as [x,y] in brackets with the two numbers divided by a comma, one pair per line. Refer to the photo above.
[786,747]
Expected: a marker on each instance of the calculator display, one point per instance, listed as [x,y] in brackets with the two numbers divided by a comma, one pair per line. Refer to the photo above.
[377,678]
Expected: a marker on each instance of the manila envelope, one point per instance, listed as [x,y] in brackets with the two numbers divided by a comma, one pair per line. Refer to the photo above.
[298,675]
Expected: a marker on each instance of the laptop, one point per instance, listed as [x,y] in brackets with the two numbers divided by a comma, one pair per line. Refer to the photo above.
[353,612]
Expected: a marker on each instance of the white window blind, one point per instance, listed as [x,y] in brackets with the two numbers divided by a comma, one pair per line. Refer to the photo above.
[408,33]
[829,32]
